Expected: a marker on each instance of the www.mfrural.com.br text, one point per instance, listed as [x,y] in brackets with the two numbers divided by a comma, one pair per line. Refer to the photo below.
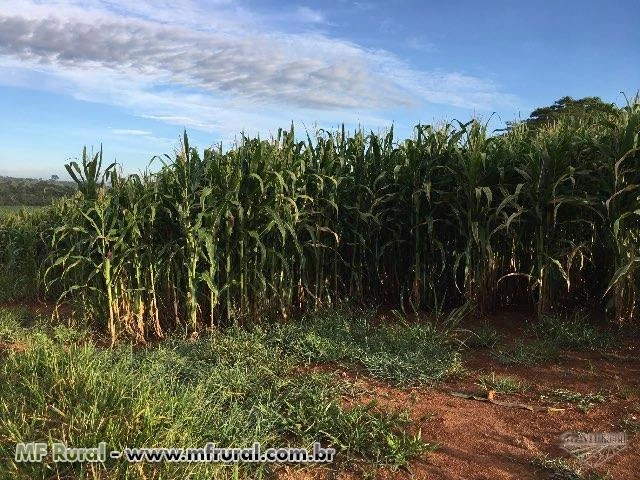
[210,453]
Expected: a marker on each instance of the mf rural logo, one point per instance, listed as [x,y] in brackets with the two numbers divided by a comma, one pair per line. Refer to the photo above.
[595,448]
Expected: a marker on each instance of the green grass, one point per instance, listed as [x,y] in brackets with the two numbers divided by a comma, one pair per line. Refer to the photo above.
[526,353]
[501,384]
[483,337]
[550,333]
[575,331]
[398,353]
[231,388]
[584,401]
[11,324]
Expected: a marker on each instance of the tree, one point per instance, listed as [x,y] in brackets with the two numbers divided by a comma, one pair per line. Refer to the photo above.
[568,107]
[54,178]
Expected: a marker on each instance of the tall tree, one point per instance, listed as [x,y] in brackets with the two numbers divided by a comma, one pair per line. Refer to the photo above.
[568,107]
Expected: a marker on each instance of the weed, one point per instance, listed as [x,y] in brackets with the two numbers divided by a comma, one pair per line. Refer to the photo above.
[401,354]
[574,331]
[631,423]
[483,337]
[627,392]
[584,401]
[12,323]
[501,384]
[560,469]
[527,354]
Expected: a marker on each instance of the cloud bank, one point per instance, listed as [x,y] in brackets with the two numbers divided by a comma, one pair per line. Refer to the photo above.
[218,67]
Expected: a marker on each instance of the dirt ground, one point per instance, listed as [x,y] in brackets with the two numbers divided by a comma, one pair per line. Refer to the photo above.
[483,441]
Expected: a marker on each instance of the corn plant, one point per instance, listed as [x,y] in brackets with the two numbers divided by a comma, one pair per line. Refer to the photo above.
[271,228]
[88,178]
[619,178]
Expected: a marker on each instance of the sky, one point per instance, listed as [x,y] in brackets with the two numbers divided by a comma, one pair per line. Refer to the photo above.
[132,75]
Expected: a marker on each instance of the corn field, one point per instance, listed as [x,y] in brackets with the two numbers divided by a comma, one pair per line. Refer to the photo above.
[271,228]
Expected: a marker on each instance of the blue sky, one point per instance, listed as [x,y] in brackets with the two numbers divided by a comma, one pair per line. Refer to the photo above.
[132,75]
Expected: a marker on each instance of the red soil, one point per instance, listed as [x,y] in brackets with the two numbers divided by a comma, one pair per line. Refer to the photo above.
[480,440]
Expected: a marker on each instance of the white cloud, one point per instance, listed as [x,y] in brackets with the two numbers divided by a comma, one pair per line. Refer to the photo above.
[215,67]
[131,132]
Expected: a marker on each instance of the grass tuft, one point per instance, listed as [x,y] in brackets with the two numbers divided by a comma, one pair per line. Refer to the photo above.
[483,337]
[501,384]
[561,469]
[527,354]
[400,354]
[575,331]
[584,401]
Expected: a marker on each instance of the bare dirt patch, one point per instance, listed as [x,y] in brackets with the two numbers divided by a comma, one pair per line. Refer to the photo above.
[16,347]
[593,392]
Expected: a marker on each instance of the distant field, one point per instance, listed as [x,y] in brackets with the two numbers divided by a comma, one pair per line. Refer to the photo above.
[4,209]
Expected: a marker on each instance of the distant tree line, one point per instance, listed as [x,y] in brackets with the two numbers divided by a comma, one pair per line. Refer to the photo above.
[33,192]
